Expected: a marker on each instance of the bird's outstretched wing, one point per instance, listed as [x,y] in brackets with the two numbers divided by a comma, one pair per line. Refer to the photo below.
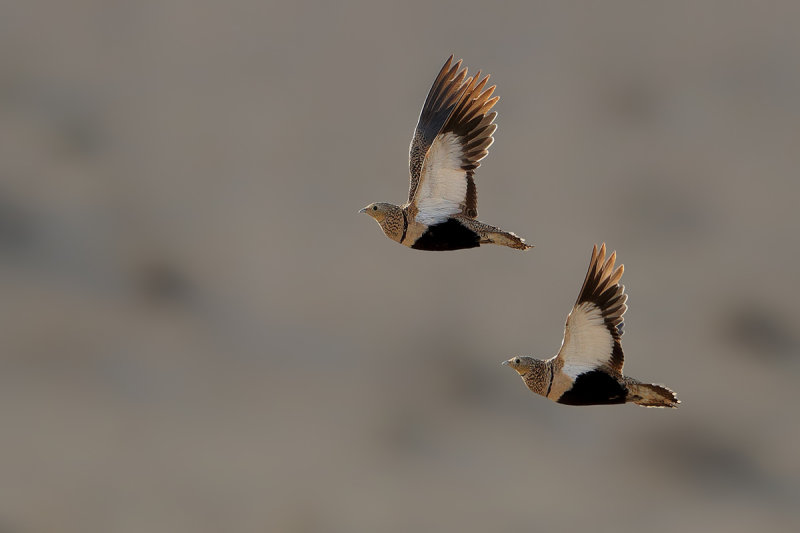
[594,327]
[453,134]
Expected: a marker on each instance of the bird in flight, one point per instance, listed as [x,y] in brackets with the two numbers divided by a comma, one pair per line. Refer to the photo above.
[453,134]
[588,367]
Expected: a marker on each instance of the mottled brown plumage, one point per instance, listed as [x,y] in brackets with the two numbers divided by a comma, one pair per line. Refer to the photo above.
[390,217]
[588,368]
[452,136]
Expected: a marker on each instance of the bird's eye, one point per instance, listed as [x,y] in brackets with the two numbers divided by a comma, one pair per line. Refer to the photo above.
[516,361]
[374,207]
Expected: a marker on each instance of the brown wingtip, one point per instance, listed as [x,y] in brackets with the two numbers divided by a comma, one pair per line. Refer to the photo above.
[600,278]
[609,265]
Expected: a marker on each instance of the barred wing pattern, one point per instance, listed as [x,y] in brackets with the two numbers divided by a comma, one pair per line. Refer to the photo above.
[594,327]
[453,135]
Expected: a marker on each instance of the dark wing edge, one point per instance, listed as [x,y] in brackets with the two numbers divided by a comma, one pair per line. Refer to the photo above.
[443,97]
[473,124]
[602,288]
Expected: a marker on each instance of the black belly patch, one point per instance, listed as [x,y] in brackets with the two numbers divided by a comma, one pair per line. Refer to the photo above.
[594,388]
[449,235]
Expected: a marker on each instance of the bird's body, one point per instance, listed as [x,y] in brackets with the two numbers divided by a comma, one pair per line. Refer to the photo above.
[588,368]
[452,136]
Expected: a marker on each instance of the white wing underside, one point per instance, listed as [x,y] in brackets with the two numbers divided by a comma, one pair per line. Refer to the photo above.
[587,342]
[443,183]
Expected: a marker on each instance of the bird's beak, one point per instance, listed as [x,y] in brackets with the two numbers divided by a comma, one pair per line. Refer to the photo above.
[362,210]
[504,363]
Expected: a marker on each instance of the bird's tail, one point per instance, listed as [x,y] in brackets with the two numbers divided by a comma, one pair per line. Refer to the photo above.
[651,395]
[506,238]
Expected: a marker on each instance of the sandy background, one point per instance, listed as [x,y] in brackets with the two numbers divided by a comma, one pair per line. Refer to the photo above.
[199,333]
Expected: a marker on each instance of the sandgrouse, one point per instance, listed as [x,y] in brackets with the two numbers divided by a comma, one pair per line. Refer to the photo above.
[453,134]
[588,368]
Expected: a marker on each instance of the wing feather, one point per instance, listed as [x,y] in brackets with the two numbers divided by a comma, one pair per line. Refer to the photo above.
[443,96]
[442,171]
[594,327]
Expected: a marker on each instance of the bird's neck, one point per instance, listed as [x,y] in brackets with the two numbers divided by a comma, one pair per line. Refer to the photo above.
[539,377]
[394,225]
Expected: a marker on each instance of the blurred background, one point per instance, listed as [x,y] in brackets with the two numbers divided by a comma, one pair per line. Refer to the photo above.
[200,334]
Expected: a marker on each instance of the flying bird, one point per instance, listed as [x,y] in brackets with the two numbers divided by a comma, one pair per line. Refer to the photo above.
[453,135]
[588,367]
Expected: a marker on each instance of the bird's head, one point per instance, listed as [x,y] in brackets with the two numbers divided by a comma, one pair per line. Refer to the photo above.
[521,364]
[379,210]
